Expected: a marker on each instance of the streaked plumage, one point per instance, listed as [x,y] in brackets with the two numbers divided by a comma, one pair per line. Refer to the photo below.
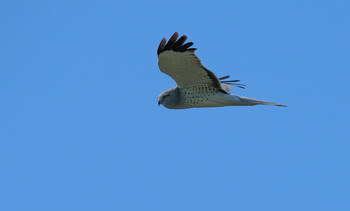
[196,85]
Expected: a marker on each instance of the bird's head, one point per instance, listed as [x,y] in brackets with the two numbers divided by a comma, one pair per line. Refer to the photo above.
[168,98]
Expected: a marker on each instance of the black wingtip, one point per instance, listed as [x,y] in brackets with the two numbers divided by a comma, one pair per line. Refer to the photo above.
[161,46]
[225,77]
[232,82]
[175,44]
[171,41]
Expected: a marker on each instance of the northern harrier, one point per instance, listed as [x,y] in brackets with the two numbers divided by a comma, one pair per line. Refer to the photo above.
[196,85]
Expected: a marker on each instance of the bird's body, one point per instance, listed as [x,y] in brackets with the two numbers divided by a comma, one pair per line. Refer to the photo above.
[200,97]
[197,86]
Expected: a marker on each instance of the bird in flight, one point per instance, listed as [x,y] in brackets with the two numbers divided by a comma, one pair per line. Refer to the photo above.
[196,85]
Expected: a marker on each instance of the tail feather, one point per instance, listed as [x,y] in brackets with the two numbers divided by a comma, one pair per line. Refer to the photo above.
[258,102]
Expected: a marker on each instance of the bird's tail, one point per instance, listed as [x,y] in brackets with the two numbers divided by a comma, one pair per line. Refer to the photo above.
[252,101]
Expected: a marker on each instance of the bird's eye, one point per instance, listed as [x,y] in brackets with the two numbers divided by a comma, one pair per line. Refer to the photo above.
[166,96]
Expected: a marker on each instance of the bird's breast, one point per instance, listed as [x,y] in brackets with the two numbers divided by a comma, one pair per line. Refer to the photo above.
[199,96]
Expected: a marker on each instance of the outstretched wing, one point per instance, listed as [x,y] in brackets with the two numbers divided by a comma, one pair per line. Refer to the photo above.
[178,60]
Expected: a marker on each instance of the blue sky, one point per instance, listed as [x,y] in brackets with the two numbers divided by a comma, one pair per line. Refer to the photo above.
[80,128]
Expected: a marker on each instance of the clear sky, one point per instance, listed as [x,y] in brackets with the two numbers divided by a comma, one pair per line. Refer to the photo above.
[80,128]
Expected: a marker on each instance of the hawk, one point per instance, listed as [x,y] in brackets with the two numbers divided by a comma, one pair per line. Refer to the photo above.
[196,85]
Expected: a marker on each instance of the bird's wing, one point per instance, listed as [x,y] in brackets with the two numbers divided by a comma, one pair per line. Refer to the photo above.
[178,60]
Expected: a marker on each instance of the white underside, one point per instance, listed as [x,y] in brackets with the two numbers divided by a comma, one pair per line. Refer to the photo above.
[216,100]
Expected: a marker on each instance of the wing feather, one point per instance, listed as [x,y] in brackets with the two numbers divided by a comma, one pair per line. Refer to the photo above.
[171,41]
[179,61]
[161,46]
[179,43]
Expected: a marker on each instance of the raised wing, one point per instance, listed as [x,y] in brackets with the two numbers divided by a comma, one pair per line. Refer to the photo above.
[178,60]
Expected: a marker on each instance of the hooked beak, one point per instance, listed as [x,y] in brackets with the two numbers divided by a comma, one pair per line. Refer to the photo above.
[159,102]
